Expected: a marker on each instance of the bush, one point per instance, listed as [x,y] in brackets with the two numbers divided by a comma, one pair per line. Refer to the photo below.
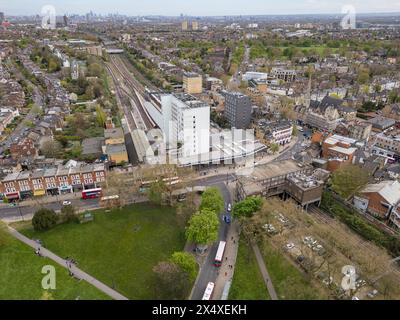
[44,219]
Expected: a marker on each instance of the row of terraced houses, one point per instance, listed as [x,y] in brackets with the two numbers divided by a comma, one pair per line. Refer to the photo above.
[52,181]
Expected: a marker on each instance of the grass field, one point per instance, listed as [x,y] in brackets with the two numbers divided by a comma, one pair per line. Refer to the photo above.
[119,248]
[247,282]
[21,276]
[289,282]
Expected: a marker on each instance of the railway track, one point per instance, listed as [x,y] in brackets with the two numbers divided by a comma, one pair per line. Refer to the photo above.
[132,90]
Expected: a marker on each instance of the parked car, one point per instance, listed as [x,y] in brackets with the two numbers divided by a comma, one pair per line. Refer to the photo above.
[66,203]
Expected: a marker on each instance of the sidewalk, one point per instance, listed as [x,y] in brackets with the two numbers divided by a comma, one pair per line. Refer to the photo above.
[226,273]
[76,271]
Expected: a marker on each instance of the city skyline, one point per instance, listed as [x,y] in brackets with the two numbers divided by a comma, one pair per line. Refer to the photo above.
[199,8]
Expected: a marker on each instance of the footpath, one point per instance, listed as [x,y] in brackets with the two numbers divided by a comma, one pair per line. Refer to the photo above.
[75,271]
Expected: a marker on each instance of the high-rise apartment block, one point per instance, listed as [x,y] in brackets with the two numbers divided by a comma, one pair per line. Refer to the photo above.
[238,109]
[192,83]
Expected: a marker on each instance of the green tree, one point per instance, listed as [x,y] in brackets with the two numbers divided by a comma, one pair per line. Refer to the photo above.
[44,219]
[274,148]
[186,262]
[247,207]
[101,116]
[348,180]
[212,200]
[203,228]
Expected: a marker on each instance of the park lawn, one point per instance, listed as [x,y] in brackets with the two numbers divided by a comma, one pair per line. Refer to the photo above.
[289,282]
[247,281]
[21,276]
[121,247]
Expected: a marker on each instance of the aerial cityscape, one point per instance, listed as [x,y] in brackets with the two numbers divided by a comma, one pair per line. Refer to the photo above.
[228,151]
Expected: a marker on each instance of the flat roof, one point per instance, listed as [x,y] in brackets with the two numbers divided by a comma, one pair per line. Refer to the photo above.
[275,169]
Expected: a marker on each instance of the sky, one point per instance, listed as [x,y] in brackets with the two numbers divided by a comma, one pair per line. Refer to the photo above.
[197,7]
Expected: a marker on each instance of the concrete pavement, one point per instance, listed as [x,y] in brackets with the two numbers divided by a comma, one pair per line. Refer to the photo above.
[227,269]
[78,273]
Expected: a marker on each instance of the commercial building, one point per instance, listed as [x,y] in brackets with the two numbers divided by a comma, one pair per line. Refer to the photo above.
[279,132]
[115,146]
[284,74]
[338,150]
[238,109]
[52,181]
[185,25]
[388,144]
[288,179]
[192,83]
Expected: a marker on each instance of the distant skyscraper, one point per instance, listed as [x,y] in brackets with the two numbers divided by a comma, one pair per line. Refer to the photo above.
[65,21]
[2,18]
[195,25]
[185,25]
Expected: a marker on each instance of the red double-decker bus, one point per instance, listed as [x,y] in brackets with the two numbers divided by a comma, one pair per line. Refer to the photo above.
[91,193]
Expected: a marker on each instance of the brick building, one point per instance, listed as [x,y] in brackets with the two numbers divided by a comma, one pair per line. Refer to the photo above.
[52,181]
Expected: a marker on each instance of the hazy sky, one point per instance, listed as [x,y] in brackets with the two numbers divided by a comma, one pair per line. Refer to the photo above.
[198,7]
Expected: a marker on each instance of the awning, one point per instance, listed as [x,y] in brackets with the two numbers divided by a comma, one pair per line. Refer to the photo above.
[12,196]
[65,188]
[38,193]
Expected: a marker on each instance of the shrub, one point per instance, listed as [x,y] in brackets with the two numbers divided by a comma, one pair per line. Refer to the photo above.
[44,219]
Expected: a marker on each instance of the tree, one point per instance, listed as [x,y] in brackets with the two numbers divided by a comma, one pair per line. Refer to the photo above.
[156,191]
[274,148]
[172,282]
[68,214]
[101,116]
[44,219]
[247,207]
[295,131]
[203,229]
[212,200]
[186,262]
[348,180]
[50,148]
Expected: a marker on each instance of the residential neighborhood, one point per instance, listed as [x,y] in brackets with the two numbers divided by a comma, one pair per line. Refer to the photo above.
[221,155]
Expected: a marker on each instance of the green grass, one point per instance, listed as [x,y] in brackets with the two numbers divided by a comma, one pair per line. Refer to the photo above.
[289,282]
[247,282]
[120,248]
[21,276]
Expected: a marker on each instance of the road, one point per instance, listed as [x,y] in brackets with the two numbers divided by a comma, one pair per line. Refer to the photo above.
[208,272]
[26,212]
[288,154]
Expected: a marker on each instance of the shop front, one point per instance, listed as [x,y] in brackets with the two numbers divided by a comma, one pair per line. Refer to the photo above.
[52,192]
[26,194]
[39,193]
[12,196]
[65,189]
